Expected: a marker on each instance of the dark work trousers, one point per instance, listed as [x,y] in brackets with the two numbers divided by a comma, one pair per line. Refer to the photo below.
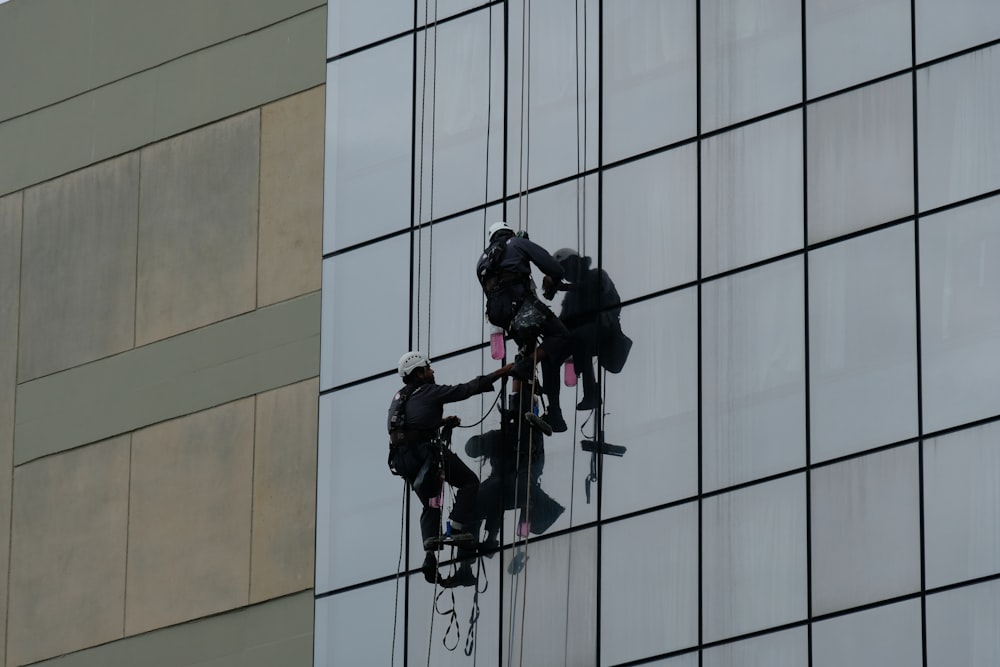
[408,460]
[558,344]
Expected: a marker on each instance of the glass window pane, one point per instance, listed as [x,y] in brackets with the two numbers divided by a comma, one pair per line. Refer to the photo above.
[751,59]
[960,314]
[865,530]
[352,455]
[441,9]
[554,596]
[860,159]
[562,216]
[862,347]
[445,285]
[651,407]
[751,196]
[754,558]
[962,505]
[789,648]
[354,23]
[753,374]
[459,105]
[650,239]
[435,636]
[368,144]
[947,27]
[850,41]
[551,108]
[650,85]
[962,626]
[959,128]
[344,622]
[350,323]
[878,637]
[649,584]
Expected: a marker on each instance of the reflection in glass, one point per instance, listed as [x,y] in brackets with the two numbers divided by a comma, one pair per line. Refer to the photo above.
[848,42]
[751,59]
[458,107]
[368,145]
[515,453]
[860,159]
[754,558]
[552,106]
[751,196]
[962,505]
[958,128]
[960,314]
[878,637]
[650,239]
[341,619]
[550,601]
[865,530]
[753,374]
[862,348]
[651,407]
[962,626]
[947,27]
[650,85]
[351,24]
[649,584]
[789,648]
[350,324]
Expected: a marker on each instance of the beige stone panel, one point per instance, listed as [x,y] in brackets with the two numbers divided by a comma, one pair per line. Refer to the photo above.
[199,88]
[10,270]
[284,491]
[78,277]
[277,633]
[67,563]
[189,517]
[198,228]
[291,196]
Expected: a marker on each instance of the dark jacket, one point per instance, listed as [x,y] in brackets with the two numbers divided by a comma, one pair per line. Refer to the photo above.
[425,407]
[518,256]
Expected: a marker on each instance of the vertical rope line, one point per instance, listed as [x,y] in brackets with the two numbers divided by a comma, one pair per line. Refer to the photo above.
[430,214]
[420,175]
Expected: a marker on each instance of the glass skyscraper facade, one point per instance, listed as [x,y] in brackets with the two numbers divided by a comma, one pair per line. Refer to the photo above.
[799,204]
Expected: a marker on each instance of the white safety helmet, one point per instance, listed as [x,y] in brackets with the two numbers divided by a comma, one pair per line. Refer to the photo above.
[563,254]
[411,360]
[498,227]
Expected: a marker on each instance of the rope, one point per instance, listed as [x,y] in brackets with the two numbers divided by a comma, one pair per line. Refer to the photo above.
[399,565]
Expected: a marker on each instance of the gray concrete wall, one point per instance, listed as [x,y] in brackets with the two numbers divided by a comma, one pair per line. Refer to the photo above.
[160,252]
[85,80]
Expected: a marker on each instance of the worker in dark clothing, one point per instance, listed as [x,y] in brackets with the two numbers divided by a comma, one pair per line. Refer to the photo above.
[591,310]
[504,271]
[415,420]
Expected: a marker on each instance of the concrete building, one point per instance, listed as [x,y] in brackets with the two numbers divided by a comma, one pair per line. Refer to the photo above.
[798,203]
[160,231]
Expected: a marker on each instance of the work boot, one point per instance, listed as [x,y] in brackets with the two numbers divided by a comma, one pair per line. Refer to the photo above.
[589,402]
[553,417]
[430,567]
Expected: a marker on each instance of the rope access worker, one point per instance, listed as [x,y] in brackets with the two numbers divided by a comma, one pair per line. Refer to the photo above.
[416,452]
[504,271]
